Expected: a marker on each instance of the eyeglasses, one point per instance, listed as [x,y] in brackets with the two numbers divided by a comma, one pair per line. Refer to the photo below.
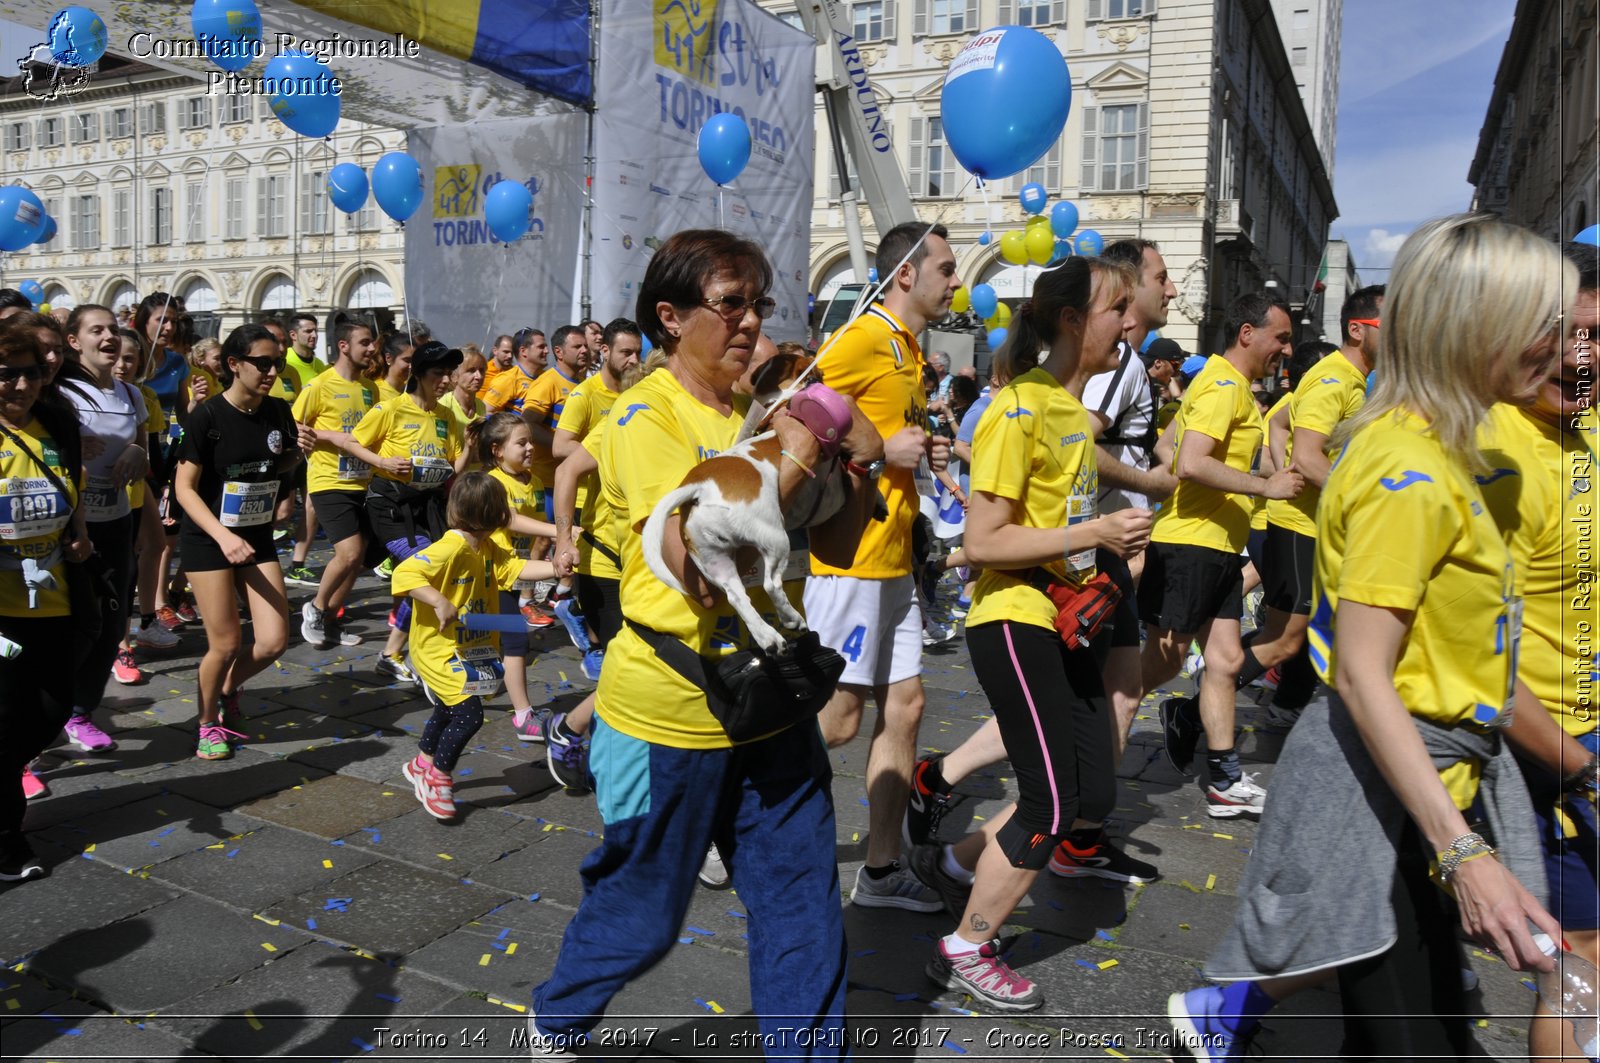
[267,365]
[10,374]
[1370,322]
[733,307]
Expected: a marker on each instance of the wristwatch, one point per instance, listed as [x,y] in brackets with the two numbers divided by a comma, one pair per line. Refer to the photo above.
[870,471]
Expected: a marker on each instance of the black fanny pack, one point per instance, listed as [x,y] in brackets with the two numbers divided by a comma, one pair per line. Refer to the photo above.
[750,694]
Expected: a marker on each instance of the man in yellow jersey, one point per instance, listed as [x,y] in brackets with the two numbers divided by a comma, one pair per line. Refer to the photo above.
[544,400]
[332,405]
[500,358]
[302,352]
[511,386]
[1192,583]
[1539,488]
[869,611]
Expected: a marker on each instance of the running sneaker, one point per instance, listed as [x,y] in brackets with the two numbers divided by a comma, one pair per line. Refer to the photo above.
[33,786]
[536,617]
[713,872]
[1194,662]
[125,670]
[213,744]
[898,889]
[1267,680]
[301,576]
[230,715]
[1102,860]
[986,977]
[933,632]
[186,610]
[926,809]
[1242,797]
[591,665]
[153,637]
[927,863]
[385,571]
[961,608]
[566,609]
[334,632]
[556,1048]
[398,668]
[86,736]
[532,727]
[1202,1028]
[1177,737]
[1280,720]
[568,757]
[168,619]
[433,788]
[20,868]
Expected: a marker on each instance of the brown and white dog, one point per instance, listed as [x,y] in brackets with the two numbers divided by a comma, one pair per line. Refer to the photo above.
[731,501]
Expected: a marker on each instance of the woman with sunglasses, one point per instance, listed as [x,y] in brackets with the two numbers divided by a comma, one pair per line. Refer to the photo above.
[237,450]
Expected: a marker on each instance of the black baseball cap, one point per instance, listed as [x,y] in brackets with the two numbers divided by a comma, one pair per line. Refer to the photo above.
[1163,350]
[434,355]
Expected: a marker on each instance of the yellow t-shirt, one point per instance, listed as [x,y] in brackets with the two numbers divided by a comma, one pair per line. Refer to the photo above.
[1331,391]
[509,389]
[1218,404]
[524,500]
[490,371]
[330,403]
[308,368]
[587,405]
[876,362]
[155,424]
[656,434]
[387,392]
[1402,525]
[451,405]
[402,429]
[471,579]
[601,520]
[545,402]
[215,385]
[287,386]
[33,513]
[1539,490]
[1259,513]
[1034,446]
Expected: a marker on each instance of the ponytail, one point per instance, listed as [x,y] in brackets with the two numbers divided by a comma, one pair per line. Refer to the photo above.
[1038,320]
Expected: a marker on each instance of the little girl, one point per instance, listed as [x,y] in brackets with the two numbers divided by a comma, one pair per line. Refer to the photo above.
[461,573]
[505,446]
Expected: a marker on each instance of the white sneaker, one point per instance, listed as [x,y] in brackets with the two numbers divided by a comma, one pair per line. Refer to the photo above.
[1194,664]
[1244,797]
[398,668]
[898,889]
[714,873]
[154,637]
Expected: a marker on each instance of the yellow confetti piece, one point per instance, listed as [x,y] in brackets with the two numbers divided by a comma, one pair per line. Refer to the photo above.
[1211,882]
[563,676]
[1190,886]
[1483,1024]
[714,1006]
[12,1004]
[855,836]
[327,863]
[1194,826]
[1183,926]
[511,949]
[484,962]
[269,946]
[1106,965]
[264,919]
[507,1004]
[444,856]
[548,827]
[219,845]
[255,1023]
[388,793]
[1219,834]
[90,849]
[364,954]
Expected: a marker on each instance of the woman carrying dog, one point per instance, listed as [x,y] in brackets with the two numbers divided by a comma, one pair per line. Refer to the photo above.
[668,778]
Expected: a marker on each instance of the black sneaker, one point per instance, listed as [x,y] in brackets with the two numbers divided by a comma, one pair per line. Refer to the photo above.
[1178,738]
[20,868]
[927,863]
[925,810]
[1104,860]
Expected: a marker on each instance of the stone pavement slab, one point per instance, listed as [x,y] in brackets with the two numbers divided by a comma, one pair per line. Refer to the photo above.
[333,806]
[253,870]
[77,1030]
[84,894]
[143,833]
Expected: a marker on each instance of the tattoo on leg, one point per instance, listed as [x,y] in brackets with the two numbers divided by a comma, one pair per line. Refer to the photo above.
[979,923]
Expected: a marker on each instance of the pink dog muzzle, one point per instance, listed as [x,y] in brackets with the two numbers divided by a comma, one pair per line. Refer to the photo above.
[825,413]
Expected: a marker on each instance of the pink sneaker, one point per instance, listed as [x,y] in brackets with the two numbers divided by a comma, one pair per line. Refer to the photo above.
[433,788]
[32,785]
[985,975]
[531,729]
[86,736]
[125,670]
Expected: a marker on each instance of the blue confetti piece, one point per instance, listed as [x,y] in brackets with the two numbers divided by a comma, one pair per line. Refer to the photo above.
[702,932]
[1086,963]
[952,1046]
[86,856]
[533,898]
[231,853]
[702,1003]
[503,934]
[464,771]
[737,914]
[686,941]
[498,945]
[163,834]
[336,841]
[311,924]
[72,1032]
[864,803]
[155,845]
[387,996]
[1102,935]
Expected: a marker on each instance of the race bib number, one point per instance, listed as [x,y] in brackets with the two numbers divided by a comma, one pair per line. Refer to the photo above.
[430,472]
[480,669]
[103,500]
[30,508]
[927,486]
[248,505]
[353,470]
[1080,508]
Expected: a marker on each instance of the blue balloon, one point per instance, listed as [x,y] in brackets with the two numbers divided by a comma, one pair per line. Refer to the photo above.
[1090,242]
[305,99]
[347,187]
[1591,235]
[228,31]
[1151,337]
[1062,252]
[506,209]
[33,290]
[1063,219]
[996,338]
[644,345]
[985,238]
[872,274]
[77,36]
[21,218]
[1005,101]
[984,301]
[397,185]
[723,147]
[1033,197]
[48,232]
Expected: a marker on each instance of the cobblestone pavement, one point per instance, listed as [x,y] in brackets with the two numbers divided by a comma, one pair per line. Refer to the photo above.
[296,901]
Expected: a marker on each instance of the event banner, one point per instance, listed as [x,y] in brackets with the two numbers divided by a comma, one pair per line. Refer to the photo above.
[462,281]
[666,66]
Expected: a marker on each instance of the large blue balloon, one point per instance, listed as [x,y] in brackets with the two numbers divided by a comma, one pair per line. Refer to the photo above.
[1591,235]
[21,218]
[1005,101]
[1063,219]
[397,185]
[48,231]
[228,31]
[1090,242]
[1033,197]
[77,36]
[347,187]
[506,209]
[723,147]
[33,290]
[304,99]
[984,301]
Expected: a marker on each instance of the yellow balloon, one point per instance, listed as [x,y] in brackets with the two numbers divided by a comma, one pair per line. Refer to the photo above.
[1001,317]
[961,301]
[1014,247]
[1038,221]
[1041,244]
[44,308]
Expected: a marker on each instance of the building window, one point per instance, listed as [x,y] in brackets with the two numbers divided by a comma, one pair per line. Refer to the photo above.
[1299,55]
[85,128]
[1032,12]
[154,118]
[194,213]
[1107,9]
[272,204]
[364,220]
[1116,148]
[121,124]
[873,20]
[933,166]
[86,223]
[1301,26]
[233,224]
[122,218]
[315,217]
[194,113]
[237,109]
[17,138]
[50,132]
[952,16]
[792,18]
[160,216]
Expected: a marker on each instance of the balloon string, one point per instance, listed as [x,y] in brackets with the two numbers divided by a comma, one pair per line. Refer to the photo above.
[988,211]
[494,306]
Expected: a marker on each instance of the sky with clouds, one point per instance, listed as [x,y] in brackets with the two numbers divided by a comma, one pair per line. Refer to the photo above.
[1413,90]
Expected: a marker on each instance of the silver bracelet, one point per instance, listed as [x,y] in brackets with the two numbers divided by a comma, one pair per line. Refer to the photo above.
[1460,851]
